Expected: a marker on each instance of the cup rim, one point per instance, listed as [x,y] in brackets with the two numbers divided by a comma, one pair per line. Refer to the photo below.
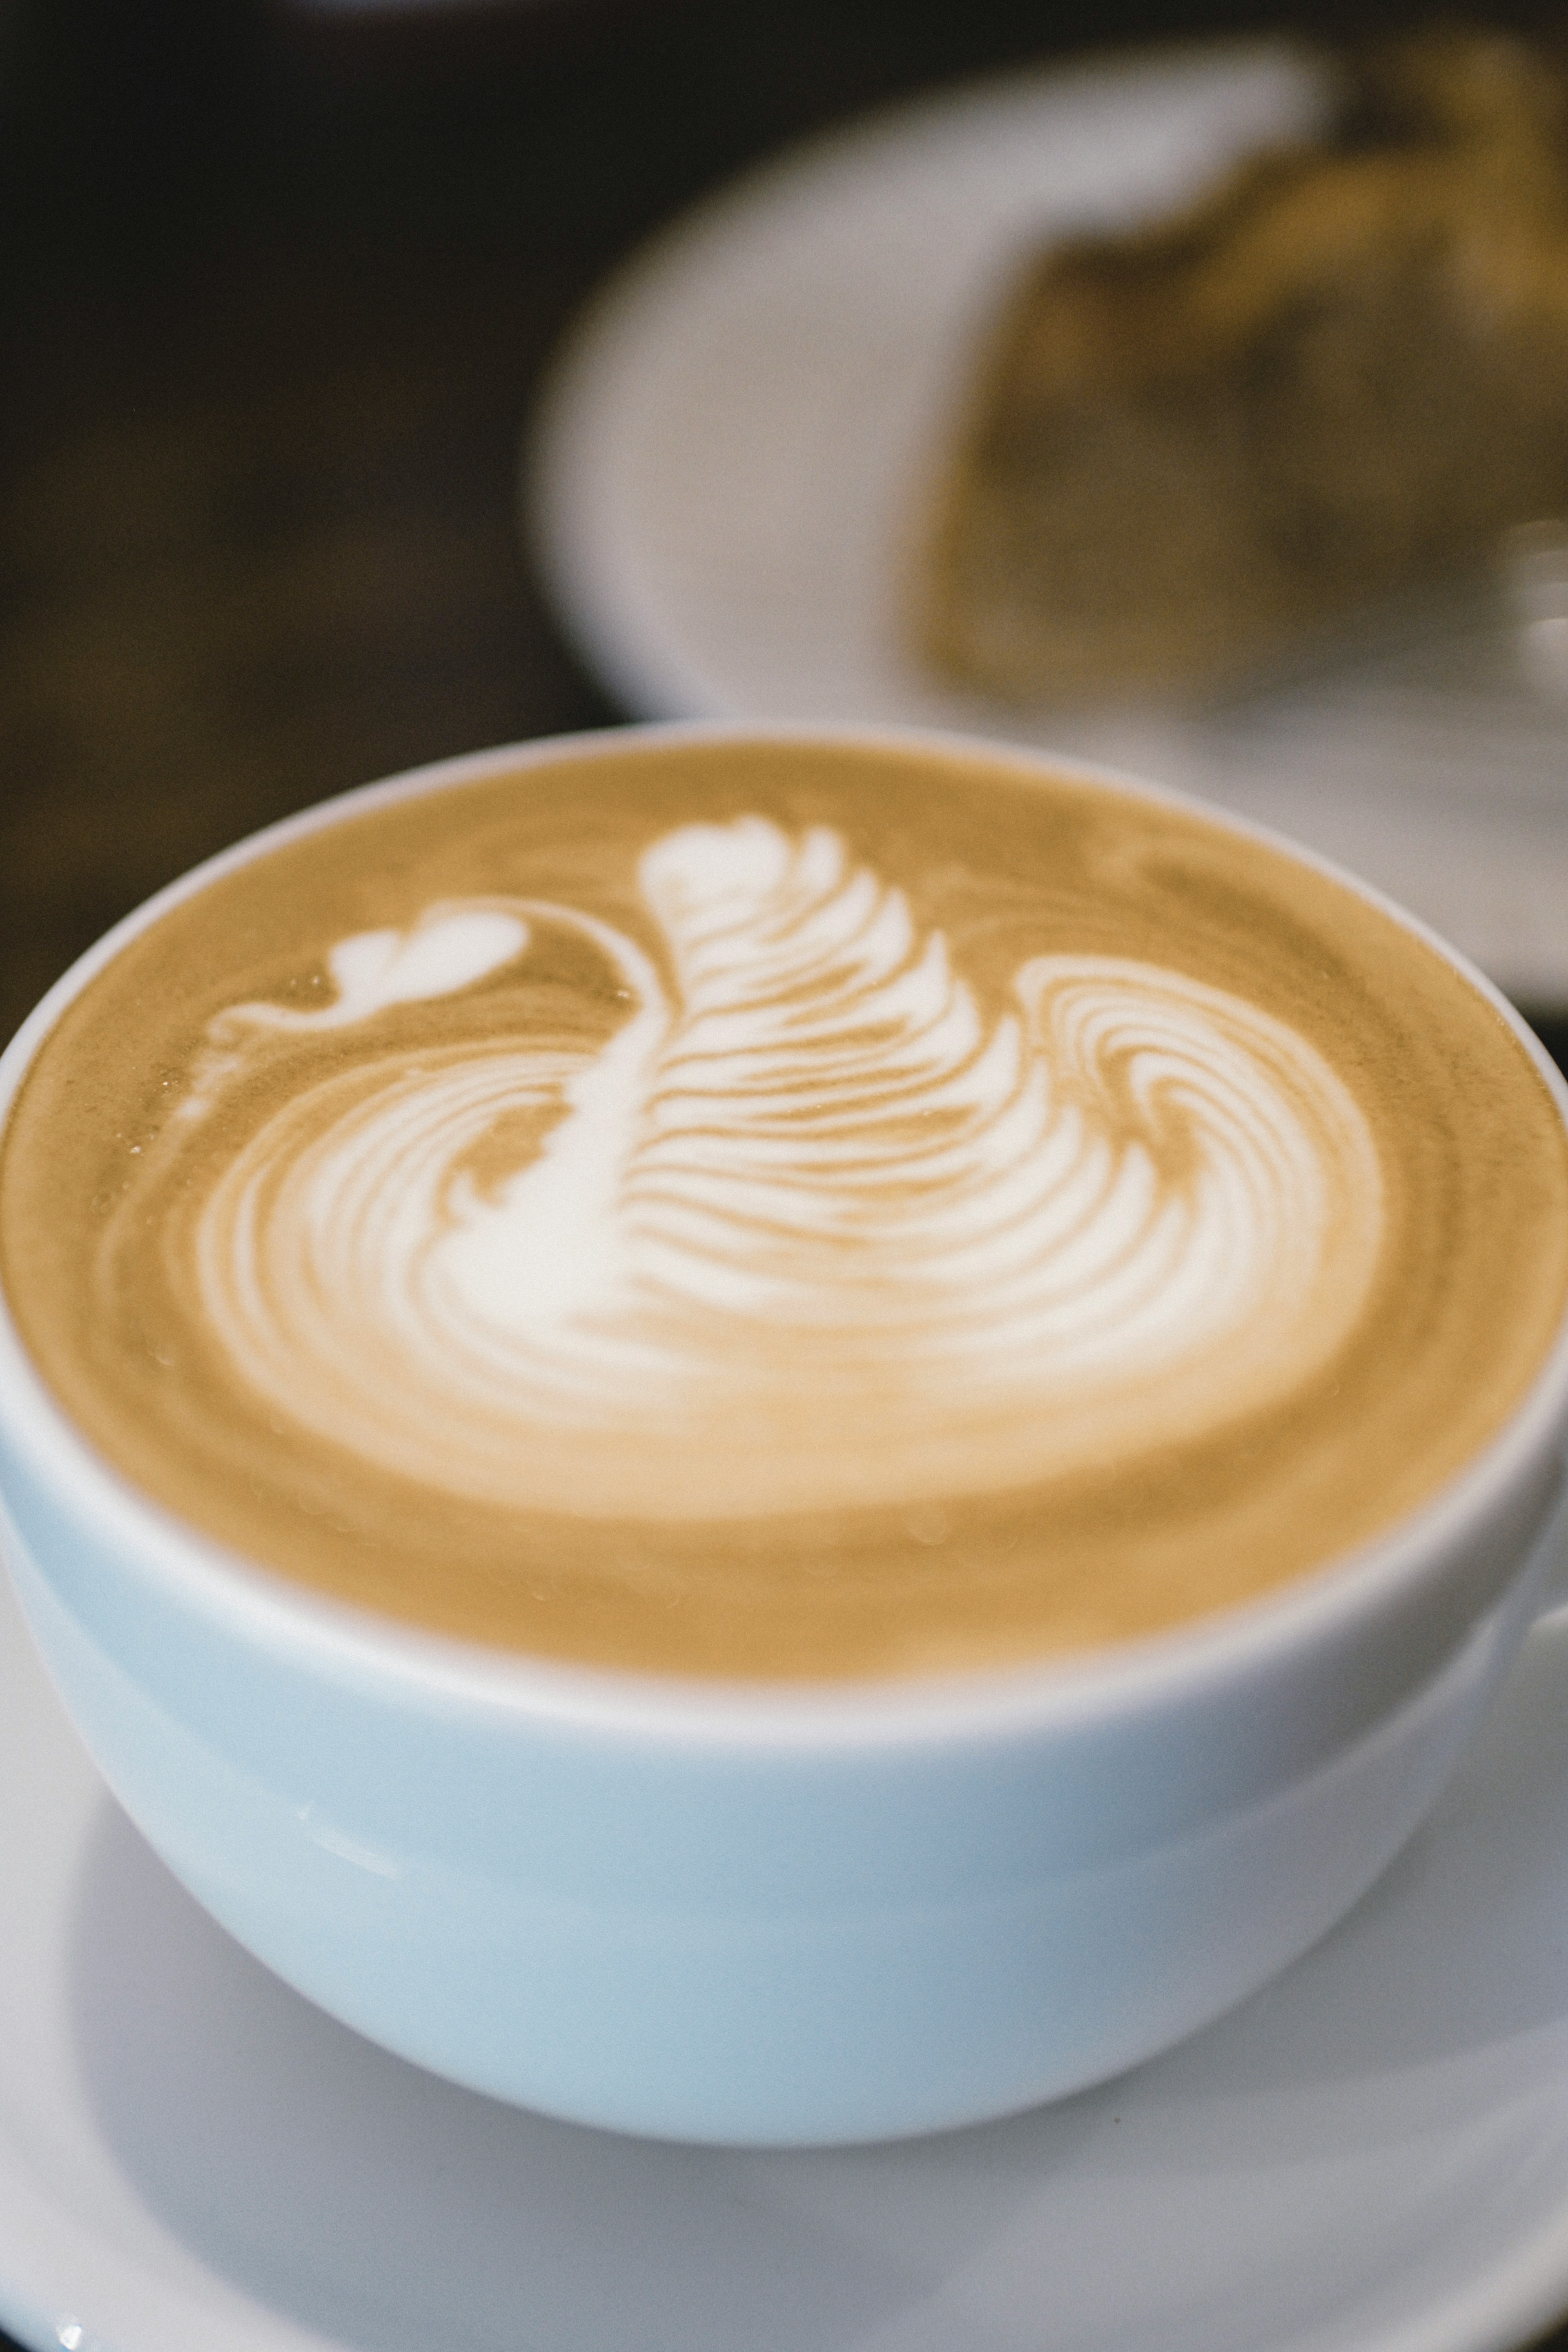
[361,1644]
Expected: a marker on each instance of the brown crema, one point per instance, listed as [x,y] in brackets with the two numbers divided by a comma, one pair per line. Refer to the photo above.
[124,1184]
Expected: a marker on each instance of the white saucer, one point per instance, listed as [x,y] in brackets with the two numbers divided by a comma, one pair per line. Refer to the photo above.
[729,463]
[1371,2157]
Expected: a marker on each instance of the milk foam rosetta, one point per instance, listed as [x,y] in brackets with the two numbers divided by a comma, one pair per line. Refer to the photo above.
[783,1209]
[806,1229]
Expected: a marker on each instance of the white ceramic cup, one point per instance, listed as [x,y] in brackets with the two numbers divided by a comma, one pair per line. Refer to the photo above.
[763,1913]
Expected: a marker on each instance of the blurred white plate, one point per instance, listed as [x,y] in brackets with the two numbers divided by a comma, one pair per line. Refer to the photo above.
[1371,2157]
[729,463]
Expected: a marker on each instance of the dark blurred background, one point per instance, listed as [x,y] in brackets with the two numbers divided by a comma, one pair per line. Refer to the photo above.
[277,283]
[277,286]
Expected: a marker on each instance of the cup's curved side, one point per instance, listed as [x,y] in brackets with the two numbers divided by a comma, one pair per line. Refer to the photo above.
[712,1945]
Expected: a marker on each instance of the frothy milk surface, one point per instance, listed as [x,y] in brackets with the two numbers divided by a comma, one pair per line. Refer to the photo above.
[784,1210]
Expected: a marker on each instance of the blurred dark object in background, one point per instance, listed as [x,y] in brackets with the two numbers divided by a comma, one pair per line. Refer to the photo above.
[419,40]
[1339,383]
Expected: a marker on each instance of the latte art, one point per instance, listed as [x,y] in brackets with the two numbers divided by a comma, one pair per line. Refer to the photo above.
[783,1208]
[806,1229]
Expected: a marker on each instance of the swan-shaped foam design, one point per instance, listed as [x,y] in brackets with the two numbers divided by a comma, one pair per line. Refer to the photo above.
[807,1230]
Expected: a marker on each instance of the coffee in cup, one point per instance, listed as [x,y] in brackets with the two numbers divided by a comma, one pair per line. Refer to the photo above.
[785,1209]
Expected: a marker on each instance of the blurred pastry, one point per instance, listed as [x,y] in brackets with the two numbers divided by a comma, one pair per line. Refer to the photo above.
[1342,377]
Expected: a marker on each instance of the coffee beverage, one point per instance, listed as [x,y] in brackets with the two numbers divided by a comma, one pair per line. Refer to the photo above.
[793,1217]
[783,1209]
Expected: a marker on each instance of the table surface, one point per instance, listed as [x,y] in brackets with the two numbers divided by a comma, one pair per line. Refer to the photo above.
[274,299]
